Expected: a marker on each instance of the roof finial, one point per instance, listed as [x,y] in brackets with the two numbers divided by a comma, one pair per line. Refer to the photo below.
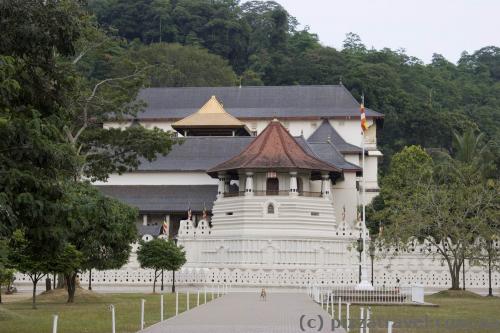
[340,80]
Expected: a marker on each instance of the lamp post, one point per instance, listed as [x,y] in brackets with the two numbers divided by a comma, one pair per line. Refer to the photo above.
[360,250]
[372,255]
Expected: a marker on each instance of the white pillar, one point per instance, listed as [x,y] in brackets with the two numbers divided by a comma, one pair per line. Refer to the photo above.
[293,183]
[54,324]
[325,185]
[113,321]
[187,300]
[340,309]
[361,319]
[221,187]
[176,303]
[142,313]
[389,326]
[161,307]
[198,298]
[249,184]
[145,219]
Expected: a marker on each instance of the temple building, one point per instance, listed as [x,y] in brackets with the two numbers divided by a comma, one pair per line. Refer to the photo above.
[295,141]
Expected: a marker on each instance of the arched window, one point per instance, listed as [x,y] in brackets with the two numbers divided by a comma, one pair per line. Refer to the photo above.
[272,186]
[270,208]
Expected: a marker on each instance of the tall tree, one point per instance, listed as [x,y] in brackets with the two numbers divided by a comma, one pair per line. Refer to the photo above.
[439,206]
[100,230]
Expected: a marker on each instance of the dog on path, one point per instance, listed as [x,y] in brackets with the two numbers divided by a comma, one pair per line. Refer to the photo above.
[263,294]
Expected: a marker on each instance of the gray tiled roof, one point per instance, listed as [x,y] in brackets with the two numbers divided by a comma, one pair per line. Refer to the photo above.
[326,132]
[254,102]
[329,153]
[202,153]
[160,198]
[198,153]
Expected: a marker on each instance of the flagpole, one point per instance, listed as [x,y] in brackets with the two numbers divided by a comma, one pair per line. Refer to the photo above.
[364,284]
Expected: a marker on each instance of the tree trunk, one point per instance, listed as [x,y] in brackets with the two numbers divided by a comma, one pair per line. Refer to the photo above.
[455,275]
[90,279]
[0,293]
[490,289]
[463,274]
[61,281]
[33,305]
[154,283]
[162,280]
[173,281]
[71,286]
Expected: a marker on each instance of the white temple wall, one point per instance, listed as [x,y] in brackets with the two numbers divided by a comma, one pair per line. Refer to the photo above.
[343,193]
[349,129]
[159,178]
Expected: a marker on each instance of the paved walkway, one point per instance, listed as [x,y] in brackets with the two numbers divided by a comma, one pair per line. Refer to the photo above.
[245,313]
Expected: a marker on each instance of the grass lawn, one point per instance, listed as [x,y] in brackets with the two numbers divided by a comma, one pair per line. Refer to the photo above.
[457,312]
[90,312]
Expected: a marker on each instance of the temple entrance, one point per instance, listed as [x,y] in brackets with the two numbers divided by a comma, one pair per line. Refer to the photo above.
[272,186]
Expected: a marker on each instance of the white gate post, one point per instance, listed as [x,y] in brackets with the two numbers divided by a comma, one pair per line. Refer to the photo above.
[161,307]
[389,326]
[198,298]
[348,316]
[54,324]
[142,313]
[368,310]
[113,326]
[205,289]
[176,303]
[361,319]
[187,300]
[340,309]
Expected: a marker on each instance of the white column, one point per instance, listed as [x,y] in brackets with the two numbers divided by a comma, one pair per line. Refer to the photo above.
[325,185]
[293,183]
[249,184]
[221,187]
[145,219]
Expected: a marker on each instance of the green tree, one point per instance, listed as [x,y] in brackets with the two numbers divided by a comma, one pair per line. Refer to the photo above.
[67,262]
[442,208]
[26,259]
[100,231]
[6,274]
[160,255]
[174,65]
[34,90]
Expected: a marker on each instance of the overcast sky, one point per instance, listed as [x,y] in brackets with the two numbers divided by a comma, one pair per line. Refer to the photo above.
[422,27]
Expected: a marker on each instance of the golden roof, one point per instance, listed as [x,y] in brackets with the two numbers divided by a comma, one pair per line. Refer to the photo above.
[212,114]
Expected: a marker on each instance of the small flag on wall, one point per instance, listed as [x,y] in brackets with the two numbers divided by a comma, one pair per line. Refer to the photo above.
[364,125]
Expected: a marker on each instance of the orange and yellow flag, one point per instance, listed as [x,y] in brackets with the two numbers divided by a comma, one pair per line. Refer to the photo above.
[364,125]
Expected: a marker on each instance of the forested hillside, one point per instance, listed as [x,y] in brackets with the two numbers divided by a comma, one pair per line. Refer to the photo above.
[259,42]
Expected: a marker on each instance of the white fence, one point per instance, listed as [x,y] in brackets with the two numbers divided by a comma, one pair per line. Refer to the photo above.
[379,295]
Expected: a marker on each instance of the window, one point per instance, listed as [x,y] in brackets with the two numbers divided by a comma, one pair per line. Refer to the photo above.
[272,186]
[314,214]
[229,213]
[270,209]
[300,185]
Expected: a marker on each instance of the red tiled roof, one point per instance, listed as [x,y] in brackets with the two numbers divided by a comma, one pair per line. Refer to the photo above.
[274,148]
